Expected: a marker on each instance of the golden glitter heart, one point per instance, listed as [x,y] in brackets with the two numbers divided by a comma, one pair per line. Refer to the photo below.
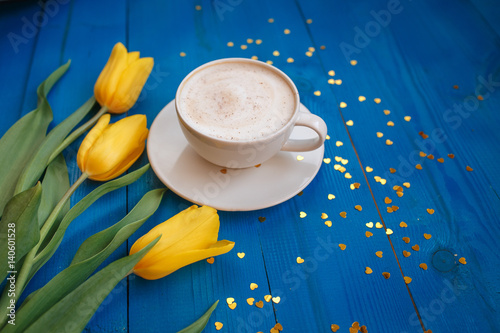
[342,169]
[343,105]
[383,181]
[343,214]
[389,210]
[232,306]
[300,157]
[302,215]
[397,188]
[430,211]
[378,225]
[399,194]
[344,161]
[342,246]
[380,134]
[324,216]
[462,261]
[451,155]
[257,165]
[259,304]
[338,158]
[407,118]
[377,100]
[390,123]
[261,219]
[268,298]
[358,207]
[392,170]
[224,171]
[349,123]
[218,326]
[369,224]
[339,143]
[422,154]
[423,266]
[331,81]
[427,236]
[440,160]
[379,254]
[368,270]
[388,142]
[230,300]
[403,224]
[394,208]
[406,184]
[300,260]
[389,231]
[331,73]
[328,223]
[418,167]
[253,286]
[368,169]
[331,197]
[211,260]
[327,160]
[406,240]
[406,253]
[278,326]
[317,93]
[386,274]
[241,255]
[415,247]
[387,200]
[361,98]
[387,112]
[356,185]
[430,156]
[407,279]
[276,299]
[334,327]
[250,300]
[368,234]
[348,175]
[336,167]
[468,168]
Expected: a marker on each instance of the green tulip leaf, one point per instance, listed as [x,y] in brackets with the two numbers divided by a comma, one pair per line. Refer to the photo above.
[19,222]
[39,160]
[199,325]
[47,252]
[90,255]
[22,140]
[73,312]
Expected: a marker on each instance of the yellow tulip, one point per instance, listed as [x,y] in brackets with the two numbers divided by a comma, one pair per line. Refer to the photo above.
[109,150]
[187,237]
[122,79]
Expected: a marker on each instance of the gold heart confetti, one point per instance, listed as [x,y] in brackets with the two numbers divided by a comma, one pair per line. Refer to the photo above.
[250,300]
[339,143]
[397,188]
[422,154]
[337,167]
[368,270]
[406,184]
[427,236]
[331,81]
[415,247]
[344,161]
[368,234]
[257,165]
[430,156]
[253,286]
[423,266]
[451,155]
[390,123]
[300,157]
[268,298]
[407,279]
[368,169]
[324,216]
[343,105]
[440,160]
[386,275]
[406,253]
[302,215]
[383,181]
[403,224]
[230,300]
[387,200]
[276,299]
[468,168]
[407,118]
[369,224]
[406,240]
[358,207]
[224,171]
[241,255]
[389,231]
[377,100]
[338,82]
[430,211]
[354,62]
[259,304]
[261,219]
[387,112]
[388,142]
[399,194]
[378,225]
[361,98]
[348,175]
[389,210]
[334,327]
[338,158]
[462,261]
[423,135]
[232,306]
[328,223]
[380,134]
[317,93]
[394,208]
[342,246]
[343,214]
[392,170]
[349,123]
[418,167]
[331,73]
[278,326]
[331,197]
[218,326]
[379,254]
[327,160]
[300,260]
[211,260]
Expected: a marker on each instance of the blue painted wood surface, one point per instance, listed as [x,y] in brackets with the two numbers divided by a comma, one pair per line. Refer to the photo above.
[409,54]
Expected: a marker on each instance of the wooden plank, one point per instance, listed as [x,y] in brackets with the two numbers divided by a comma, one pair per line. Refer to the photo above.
[330,294]
[412,69]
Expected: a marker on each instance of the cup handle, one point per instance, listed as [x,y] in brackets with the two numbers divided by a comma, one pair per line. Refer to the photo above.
[314,122]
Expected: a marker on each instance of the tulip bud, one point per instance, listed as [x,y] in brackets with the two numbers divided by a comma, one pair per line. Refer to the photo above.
[122,79]
[187,237]
[109,150]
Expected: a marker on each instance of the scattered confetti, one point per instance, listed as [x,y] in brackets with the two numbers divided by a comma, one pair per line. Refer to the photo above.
[368,270]
[380,134]
[300,260]
[331,197]
[368,234]
[387,112]
[302,215]
[388,142]
[427,236]
[368,169]
[258,41]
[399,194]
[241,255]
[278,327]
[309,21]
[406,184]
[481,98]
[369,225]
[197,7]
[406,240]
[343,105]
[324,216]
[403,225]
[286,31]
[327,160]
[218,325]
[361,98]
[342,246]
[379,254]
[276,299]
[322,47]
[440,160]
[462,261]
[339,143]
[249,41]
[430,211]
[255,57]
[269,62]
[423,266]
[232,306]
[455,87]
[261,219]
[268,298]
[349,123]
[271,20]
[311,49]
[317,93]
[358,208]
[253,286]
[230,300]
[327,137]
[224,171]
[389,232]
[259,304]
[423,135]
[250,300]
[300,157]
[331,81]
[386,274]
[418,166]
[331,73]
[468,168]
[451,155]
[182,54]
[415,247]
[343,214]
[407,118]
[276,53]
[392,170]
[338,82]
[243,47]
[407,279]
[387,200]
[378,225]
[289,60]
[230,44]
[328,223]
[334,327]
[406,253]
[390,123]
[309,54]
[430,156]
[354,62]
[211,260]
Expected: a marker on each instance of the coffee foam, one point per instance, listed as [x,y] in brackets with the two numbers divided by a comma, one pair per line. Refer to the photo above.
[237,101]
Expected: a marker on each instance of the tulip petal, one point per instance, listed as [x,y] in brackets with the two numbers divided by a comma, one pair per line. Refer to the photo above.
[120,146]
[109,78]
[132,56]
[94,134]
[162,266]
[132,81]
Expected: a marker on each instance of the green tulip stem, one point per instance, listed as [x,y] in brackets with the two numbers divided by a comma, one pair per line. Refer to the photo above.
[24,273]
[76,133]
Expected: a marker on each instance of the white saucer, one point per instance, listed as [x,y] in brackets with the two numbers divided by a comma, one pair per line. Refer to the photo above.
[190,176]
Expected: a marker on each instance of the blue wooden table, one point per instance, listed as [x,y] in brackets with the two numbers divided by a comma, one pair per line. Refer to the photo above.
[412,106]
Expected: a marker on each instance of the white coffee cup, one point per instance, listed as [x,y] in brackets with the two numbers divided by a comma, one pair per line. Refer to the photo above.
[239,112]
